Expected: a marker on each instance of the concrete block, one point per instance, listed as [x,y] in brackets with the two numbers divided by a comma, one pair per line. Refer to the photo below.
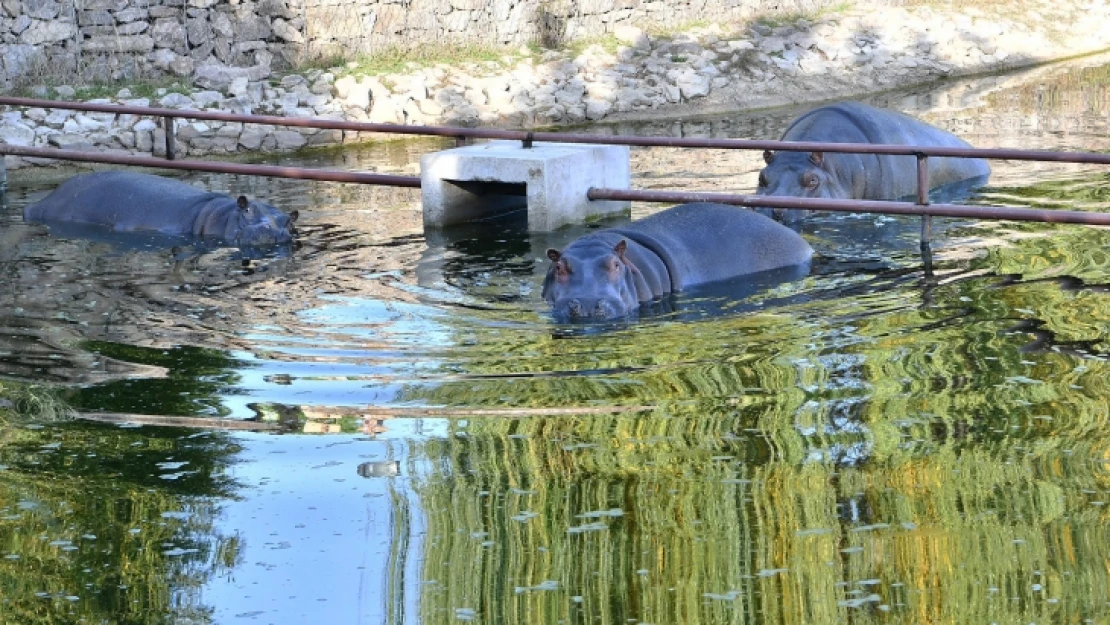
[551,179]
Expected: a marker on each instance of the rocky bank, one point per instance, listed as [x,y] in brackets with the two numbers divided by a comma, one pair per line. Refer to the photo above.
[707,69]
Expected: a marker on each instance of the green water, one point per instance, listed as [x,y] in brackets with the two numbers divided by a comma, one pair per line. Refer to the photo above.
[869,443]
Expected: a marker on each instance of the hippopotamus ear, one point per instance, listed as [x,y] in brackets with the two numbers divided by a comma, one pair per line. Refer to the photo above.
[817,158]
[242,202]
[620,248]
[553,254]
[294,215]
[768,156]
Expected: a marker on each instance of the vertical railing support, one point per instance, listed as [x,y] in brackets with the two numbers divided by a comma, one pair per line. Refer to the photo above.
[3,174]
[926,220]
[460,141]
[171,140]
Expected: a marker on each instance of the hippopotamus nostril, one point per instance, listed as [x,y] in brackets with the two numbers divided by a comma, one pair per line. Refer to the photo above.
[574,307]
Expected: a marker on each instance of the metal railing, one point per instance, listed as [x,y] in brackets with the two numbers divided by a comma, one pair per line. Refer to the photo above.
[528,137]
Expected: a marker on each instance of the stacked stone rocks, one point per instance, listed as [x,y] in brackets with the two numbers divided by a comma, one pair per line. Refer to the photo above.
[701,68]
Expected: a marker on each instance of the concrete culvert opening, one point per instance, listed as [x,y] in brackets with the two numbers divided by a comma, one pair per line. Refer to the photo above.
[490,199]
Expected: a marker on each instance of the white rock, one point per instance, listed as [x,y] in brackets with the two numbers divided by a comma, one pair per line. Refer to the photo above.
[144,141]
[770,45]
[289,140]
[251,138]
[430,108]
[85,123]
[357,94]
[343,86]
[192,130]
[238,86]
[126,138]
[692,84]
[176,101]
[633,36]
[16,133]
[48,32]
[204,99]
[597,109]
[285,30]
[144,125]
[385,111]
[57,117]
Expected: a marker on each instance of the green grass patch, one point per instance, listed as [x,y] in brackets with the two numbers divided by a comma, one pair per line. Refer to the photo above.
[397,59]
[609,43]
[669,30]
[783,19]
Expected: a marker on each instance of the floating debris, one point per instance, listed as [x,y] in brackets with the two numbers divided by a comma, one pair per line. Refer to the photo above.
[588,527]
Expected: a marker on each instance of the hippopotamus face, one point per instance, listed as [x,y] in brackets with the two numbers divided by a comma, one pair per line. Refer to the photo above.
[797,174]
[590,281]
[260,224]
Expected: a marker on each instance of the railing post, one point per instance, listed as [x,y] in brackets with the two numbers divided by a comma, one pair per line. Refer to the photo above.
[926,219]
[460,141]
[171,140]
[3,174]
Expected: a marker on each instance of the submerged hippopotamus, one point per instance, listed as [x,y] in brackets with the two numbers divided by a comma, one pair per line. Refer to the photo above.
[609,273]
[133,202]
[862,176]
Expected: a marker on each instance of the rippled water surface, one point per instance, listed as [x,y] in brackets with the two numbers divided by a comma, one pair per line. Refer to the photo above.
[868,443]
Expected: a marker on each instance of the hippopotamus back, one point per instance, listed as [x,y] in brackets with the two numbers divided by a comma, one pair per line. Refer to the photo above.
[608,273]
[862,176]
[134,202]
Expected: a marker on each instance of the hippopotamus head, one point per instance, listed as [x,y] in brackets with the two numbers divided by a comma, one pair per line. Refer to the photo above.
[797,174]
[591,280]
[259,224]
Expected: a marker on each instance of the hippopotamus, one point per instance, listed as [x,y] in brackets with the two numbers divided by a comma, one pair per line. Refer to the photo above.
[862,176]
[133,202]
[609,273]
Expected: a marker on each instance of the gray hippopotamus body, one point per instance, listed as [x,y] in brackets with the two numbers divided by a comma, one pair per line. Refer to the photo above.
[609,273]
[862,176]
[132,202]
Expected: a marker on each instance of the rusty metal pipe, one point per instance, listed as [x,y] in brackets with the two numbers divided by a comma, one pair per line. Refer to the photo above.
[558,137]
[1010,213]
[168,125]
[270,171]
[922,179]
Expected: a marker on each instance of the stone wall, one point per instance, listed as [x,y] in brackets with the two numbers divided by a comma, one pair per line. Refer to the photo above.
[190,38]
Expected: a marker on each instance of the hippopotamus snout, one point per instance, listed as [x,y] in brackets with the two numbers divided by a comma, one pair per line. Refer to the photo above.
[585,309]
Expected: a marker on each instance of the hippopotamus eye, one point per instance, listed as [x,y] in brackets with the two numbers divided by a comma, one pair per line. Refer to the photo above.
[762,179]
[810,181]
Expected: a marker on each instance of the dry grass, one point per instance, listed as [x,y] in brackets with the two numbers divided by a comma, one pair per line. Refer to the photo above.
[90,78]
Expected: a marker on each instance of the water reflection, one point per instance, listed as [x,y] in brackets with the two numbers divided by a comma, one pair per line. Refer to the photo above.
[865,442]
[108,525]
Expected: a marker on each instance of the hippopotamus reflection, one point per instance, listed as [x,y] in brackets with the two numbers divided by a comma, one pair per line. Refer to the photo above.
[861,176]
[133,202]
[609,273]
